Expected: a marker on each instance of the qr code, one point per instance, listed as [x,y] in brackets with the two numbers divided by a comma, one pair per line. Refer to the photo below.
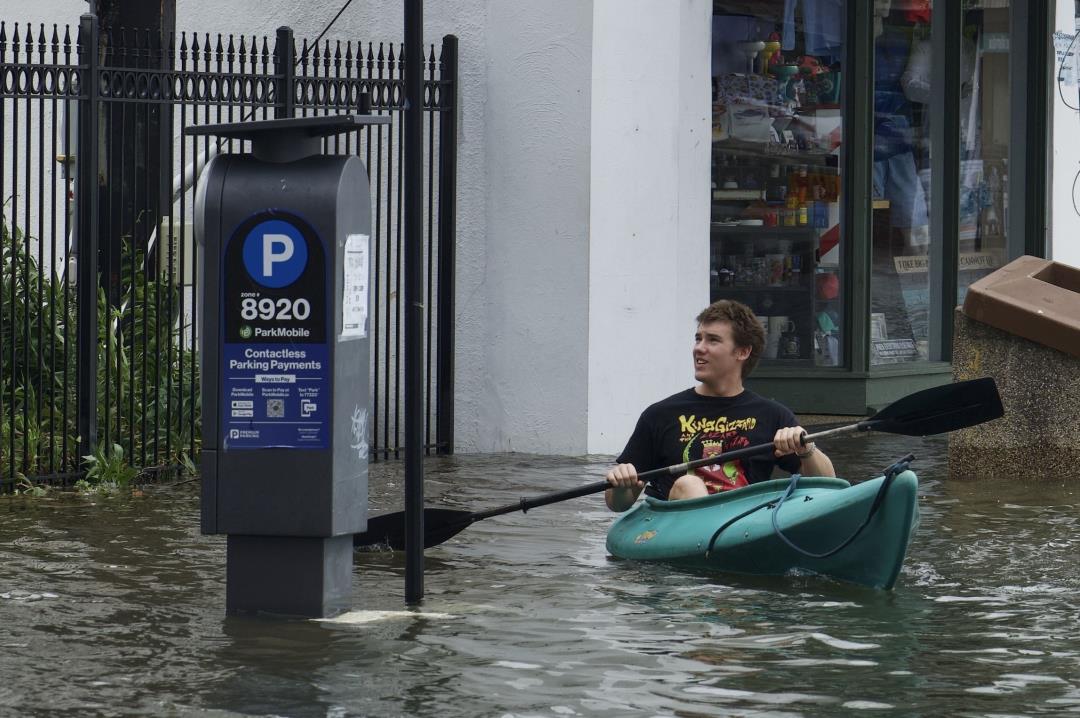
[275,408]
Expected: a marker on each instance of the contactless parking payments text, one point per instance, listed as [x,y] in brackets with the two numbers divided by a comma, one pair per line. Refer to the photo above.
[276,373]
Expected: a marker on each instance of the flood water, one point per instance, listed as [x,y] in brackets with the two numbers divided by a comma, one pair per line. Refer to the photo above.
[115,607]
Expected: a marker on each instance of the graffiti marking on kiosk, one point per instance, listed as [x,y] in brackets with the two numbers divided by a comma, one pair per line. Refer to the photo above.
[360,432]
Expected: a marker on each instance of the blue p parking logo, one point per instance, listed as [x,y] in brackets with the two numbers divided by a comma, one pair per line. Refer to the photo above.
[275,253]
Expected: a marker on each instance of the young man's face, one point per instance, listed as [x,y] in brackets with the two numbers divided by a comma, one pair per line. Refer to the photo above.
[715,355]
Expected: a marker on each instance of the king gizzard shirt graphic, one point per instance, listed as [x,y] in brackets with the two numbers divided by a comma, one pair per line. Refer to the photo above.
[704,437]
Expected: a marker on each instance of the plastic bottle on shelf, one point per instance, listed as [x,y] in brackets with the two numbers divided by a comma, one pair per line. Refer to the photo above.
[819,188]
[791,211]
[802,183]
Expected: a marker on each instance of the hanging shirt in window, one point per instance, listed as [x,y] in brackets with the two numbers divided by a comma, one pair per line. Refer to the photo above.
[823,26]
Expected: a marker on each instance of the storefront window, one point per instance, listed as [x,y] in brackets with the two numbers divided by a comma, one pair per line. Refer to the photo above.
[900,243]
[984,140]
[775,235]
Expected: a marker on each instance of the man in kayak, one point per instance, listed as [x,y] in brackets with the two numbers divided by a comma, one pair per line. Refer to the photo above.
[716,416]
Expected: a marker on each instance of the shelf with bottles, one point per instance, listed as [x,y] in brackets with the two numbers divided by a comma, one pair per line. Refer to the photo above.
[768,150]
[737,178]
[777,263]
[751,193]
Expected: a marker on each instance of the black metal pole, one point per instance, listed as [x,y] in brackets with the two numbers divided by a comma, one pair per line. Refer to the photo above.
[285,69]
[414,300]
[444,383]
[87,238]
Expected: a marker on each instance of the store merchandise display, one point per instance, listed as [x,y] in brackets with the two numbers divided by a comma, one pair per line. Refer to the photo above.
[776,187]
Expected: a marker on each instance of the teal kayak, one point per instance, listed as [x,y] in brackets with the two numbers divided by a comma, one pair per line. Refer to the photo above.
[823,526]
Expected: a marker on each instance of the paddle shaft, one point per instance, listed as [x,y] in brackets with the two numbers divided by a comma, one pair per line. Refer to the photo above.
[675,470]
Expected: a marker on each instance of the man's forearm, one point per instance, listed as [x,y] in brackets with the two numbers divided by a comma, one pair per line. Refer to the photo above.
[621,498]
[817,464]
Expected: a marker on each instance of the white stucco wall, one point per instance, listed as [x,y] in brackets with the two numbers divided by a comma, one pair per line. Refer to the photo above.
[1065,144]
[533,397]
[650,206]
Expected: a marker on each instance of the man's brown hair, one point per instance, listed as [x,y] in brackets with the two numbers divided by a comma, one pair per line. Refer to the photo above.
[746,330]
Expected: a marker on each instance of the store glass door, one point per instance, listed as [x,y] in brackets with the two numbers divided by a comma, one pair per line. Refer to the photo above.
[905,70]
[775,237]
[901,238]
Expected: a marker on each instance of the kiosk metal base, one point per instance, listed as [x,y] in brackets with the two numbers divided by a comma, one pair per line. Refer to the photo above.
[288,575]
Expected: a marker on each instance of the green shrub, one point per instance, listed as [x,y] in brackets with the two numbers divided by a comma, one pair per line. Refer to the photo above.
[147,383]
[108,467]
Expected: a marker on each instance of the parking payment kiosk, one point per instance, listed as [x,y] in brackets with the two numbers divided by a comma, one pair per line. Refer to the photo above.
[284,278]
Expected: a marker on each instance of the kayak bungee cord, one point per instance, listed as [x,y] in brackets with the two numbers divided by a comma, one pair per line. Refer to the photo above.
[744,514]
[888,475]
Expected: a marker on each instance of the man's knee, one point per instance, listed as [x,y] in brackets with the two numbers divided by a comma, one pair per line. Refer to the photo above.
[689,486]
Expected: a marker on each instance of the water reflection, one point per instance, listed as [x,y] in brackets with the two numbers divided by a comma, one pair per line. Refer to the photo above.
[115,607]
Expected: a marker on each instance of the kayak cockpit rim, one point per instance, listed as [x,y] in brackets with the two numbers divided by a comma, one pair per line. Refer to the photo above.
[771,486]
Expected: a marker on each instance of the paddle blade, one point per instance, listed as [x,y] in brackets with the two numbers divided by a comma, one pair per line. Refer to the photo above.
[389,529]
[940,409]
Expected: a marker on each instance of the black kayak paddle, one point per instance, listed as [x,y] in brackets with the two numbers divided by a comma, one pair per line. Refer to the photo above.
[925,413]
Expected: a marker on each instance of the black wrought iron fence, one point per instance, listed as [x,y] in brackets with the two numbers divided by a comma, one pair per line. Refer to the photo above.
[98,289]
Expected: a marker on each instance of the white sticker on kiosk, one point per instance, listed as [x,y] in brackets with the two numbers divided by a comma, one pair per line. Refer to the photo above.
[354,290]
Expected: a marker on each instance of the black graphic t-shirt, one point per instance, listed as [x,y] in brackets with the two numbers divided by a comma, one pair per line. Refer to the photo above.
[688,426]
